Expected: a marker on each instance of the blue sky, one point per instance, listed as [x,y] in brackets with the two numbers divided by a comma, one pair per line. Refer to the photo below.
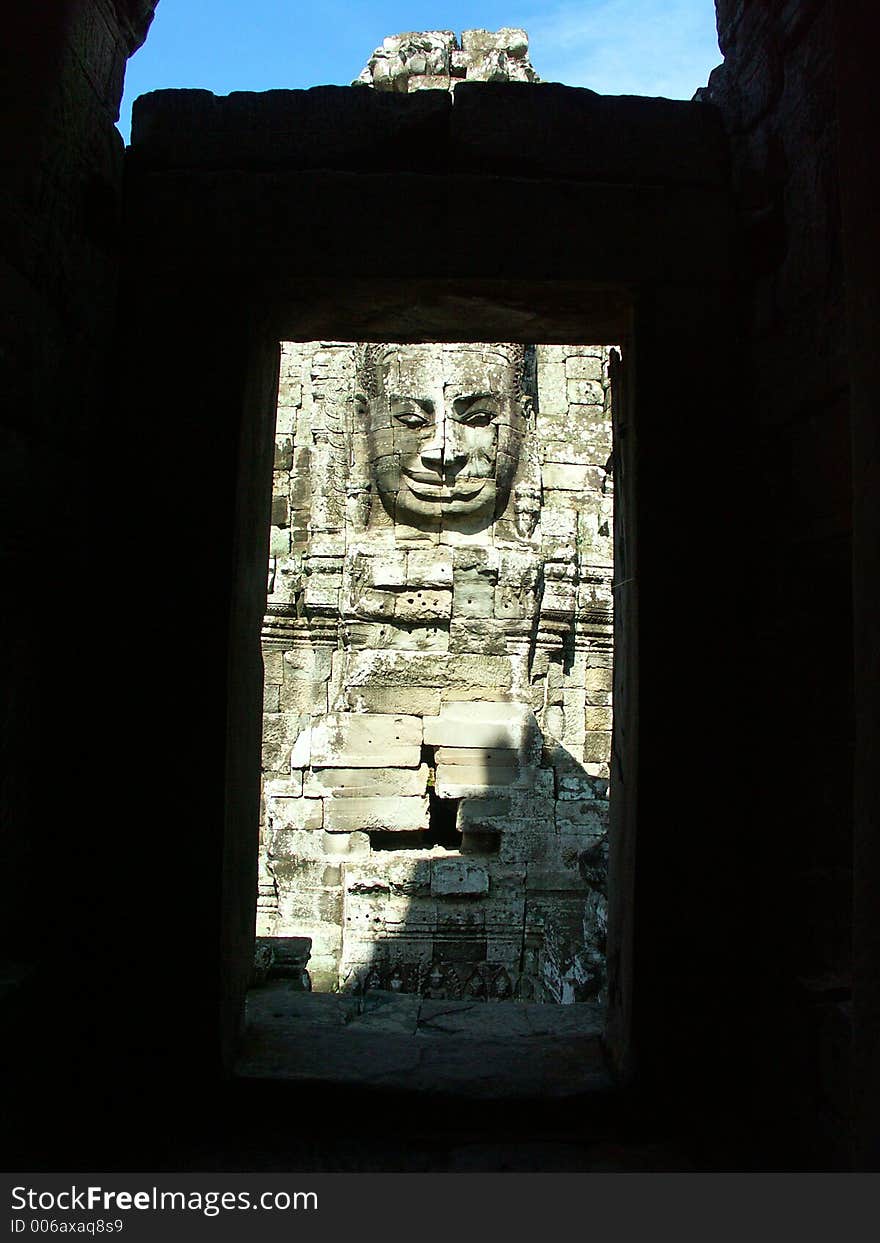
[616,47]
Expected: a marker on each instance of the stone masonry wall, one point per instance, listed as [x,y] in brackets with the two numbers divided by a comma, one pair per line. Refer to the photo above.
[437,701]
[776,94]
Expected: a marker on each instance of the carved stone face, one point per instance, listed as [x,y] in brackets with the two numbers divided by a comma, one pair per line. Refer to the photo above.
[444,430]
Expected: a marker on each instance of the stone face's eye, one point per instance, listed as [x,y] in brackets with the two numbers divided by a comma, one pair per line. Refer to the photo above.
[477,418]
[411,418]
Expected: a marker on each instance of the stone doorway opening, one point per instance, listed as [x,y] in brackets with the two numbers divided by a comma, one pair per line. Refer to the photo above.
[438,651]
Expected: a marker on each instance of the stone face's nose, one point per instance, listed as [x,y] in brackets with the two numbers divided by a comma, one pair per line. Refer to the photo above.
[442,453]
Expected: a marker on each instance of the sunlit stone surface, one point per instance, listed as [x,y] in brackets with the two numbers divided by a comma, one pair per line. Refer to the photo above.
[437,648]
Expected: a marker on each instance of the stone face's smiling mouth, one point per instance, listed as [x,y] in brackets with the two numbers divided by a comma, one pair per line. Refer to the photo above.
[432,488]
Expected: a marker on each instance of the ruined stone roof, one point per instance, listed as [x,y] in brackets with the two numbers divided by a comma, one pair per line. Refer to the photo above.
[436,60]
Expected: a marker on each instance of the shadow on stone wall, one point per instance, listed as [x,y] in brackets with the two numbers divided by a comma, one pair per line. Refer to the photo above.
[503,896]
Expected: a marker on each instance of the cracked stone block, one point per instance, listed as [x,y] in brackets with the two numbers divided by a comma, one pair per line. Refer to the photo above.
[356,740]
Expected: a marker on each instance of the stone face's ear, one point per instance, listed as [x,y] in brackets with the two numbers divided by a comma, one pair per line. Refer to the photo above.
[360,408]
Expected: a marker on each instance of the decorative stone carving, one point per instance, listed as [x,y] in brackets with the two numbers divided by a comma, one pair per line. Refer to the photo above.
[436,60]
[444,430]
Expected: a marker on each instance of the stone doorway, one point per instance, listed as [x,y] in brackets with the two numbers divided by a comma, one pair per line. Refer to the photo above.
[437,650]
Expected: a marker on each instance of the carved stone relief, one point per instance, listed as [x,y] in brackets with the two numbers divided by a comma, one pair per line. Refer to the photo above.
[437,647]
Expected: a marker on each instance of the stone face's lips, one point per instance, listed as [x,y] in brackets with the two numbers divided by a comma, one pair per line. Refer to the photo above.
[426,488]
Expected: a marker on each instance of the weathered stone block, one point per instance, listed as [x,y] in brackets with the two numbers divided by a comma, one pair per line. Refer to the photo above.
[430,567]
[484,725]
[366,782]
[597,747]
[508,39]
[597,718]
[598,678]
[354,740]
[280,511]
[478,813]
[585,392]
[383,569]
[467,780]
[583,367]
[283,453]
[396,636]
[472,757]
[553,878]
[589,817]
[302,695]
[273,666]
[468,634]
[280,732]
[284,787]
[349,815]
[279,542]
[402,668]
[294,812]
[458,878]
[354,845]
[322,591]
[300,755]
[412,700]
[301,844]
[312,664]
[579,784]
[474,594]
[409,876]
[570,477]
[422,604]
[552,384]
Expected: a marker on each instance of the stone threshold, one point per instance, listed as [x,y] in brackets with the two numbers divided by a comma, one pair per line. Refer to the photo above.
[487,1050]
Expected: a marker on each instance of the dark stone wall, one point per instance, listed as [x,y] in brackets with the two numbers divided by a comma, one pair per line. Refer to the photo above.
[859,192]
[312,212]
[776,93]
[62,66]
